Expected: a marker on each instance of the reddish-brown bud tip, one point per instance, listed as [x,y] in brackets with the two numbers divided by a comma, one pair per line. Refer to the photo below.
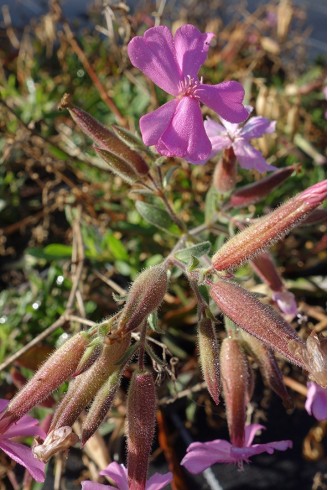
[146,294]
[225,173]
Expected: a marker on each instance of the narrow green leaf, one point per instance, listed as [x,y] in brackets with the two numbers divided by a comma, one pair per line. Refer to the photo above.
[157,217]
[186,254]
[210,204]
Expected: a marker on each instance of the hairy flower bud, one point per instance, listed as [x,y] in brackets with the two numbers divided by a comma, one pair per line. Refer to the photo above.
[235,374]
[209,357]
[146,294]
[86,385]
[268,366]
[58,440]
[268,229]
[57,369]
[103,137]
[225,172]
[260,320]
[89,356]
[265,268]
[252,193]
[118,166]
[141,411]
[100,405]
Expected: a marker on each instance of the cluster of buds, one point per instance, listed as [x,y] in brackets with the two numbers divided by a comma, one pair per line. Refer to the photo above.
[244,309]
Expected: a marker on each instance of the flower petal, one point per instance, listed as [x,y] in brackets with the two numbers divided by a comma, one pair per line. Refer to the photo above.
[154,124]
[118,473]
[286,302]
[203,455]
[249,157]
[250,432]
[214,128]
[154,54]
[226,99]
[157,481]
[316,401]
[244,453]
[91,485]
[23,455]
[191,49]
[257,127]
[26,426]
[185,136]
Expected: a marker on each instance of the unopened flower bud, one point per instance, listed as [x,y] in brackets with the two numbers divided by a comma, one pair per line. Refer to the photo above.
[141,411]
[146,294]
[265,268]
[314,356]
[225,172]
[89,356]
[209,357]
[234,372]
[268,229]
[57,369]
[253,193]
[134,143]
[260,320]
[118,166]
[103,137]
[100,405]
[86,385]
[268,366]
[57,441]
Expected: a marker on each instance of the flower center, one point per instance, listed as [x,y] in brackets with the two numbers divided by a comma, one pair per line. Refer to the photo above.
[190,87]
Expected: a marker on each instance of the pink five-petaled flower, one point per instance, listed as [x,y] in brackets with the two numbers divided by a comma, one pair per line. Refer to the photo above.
[229,135]
[172,63]
[202,455]
[25,427]
[119,474]
[316,401]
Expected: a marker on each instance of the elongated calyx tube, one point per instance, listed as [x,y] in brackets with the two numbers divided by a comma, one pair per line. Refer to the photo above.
[235,374]
[103,137]
[146,294]
[86,385]
[267,230]
[253,193]
[209,357]
[118,165]
[268,366]
[100,405]
[58,368]
[225,172]
[260,320]
[141,411]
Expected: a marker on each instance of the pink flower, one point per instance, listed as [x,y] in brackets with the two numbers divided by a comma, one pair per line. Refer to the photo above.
[172,63]
[119,474]
[227,135]
[316,401]
[26,426]
[202,455]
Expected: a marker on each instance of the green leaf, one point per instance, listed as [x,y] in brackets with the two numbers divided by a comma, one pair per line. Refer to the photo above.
[128,354]
[54,251]
[210,204]
[115,246]
[193,264]
[157,217]
[168,175]
[186,254]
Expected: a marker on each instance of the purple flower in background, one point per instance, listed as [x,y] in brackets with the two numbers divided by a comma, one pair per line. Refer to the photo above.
[26,426]
[119,474]
[202,455]
[229,135]
[286,302]
[172,63]
[316,401]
